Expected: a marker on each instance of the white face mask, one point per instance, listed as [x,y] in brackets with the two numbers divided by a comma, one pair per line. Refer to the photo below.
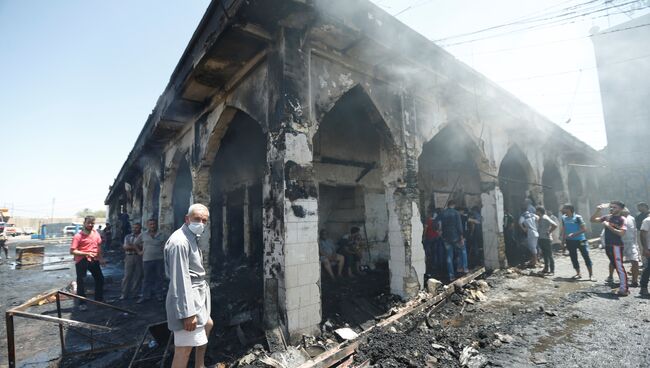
[196,227]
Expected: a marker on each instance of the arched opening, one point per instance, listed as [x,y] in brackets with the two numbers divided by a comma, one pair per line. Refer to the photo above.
[514,180]
[236,240]
[350,147]
[575,191]
[553,188]
[447,170]
[182,192]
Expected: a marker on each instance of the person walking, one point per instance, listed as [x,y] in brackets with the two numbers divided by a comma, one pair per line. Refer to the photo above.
[153,264]
[615,229]
[645,245]
[429,237]
[132,281]
[451,230]
[630,248]
[528,224]
[87,252]
[574,239]
[545,228]
[188,298]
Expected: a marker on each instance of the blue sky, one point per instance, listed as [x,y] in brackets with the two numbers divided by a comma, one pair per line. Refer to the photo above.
[77,82]
[79,78]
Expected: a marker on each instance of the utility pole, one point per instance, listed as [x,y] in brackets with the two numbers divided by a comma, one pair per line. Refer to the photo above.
[52,213]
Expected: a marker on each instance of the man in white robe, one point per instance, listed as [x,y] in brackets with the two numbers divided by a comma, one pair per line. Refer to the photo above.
[188,297]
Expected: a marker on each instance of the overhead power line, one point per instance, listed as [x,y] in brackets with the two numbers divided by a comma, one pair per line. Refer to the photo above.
[574,70]
[561,20]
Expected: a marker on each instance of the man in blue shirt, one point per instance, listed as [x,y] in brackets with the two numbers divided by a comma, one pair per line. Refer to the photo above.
[452,233]
[573,236]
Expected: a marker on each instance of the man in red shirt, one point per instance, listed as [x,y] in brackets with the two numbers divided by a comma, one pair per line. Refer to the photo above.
[87,251]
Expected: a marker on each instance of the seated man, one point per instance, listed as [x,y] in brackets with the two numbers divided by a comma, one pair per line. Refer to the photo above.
[328,255]
[350,247]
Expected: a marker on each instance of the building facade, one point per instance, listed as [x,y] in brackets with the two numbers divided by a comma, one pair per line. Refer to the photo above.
[286,117]
[623,60]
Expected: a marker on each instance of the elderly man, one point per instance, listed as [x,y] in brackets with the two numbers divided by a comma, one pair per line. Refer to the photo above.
[188,297]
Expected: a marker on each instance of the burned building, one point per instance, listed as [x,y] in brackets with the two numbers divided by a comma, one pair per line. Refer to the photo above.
[286,117]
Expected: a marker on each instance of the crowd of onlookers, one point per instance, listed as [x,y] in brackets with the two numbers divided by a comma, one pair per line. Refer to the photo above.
[621,235]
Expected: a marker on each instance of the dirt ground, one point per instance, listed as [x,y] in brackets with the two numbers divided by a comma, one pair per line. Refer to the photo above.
[525,321]
[37,342]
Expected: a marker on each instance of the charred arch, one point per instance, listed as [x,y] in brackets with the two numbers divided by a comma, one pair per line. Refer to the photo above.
[236,176]
[350,149]
[515,180]
[447,169]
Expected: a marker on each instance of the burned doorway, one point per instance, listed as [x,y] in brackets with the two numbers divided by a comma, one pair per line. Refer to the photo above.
[182,192]
[236,244]
[514,180]
[575,191]
[447,170]
[349,146]
[553,189]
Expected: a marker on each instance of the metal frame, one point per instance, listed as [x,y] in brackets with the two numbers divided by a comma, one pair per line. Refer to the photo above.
[163,358]
[21,311]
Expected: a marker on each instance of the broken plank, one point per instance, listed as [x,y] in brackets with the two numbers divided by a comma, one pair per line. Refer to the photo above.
[61,321]
[331,357]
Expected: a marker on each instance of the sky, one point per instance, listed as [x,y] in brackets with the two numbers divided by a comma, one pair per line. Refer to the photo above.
[78,79]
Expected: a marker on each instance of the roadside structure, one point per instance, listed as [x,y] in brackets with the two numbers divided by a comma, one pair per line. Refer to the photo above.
[288,116]
[622,58]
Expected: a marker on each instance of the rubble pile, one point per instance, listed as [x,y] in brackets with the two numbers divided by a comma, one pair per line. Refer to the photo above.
[430,338]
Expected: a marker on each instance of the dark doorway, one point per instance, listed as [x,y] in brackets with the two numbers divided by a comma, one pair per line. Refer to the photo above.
[348,167]
[575,191]
[553,188]
[447,170]
[236,238]
[182,193]
[514,182]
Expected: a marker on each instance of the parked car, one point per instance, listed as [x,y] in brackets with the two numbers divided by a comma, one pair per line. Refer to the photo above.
[11,230]
[28,231]
[70,230]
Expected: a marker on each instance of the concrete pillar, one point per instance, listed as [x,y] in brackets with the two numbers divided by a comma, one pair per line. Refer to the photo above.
[201,194]
[166,212]
[291,263]
[407,259]
[494,250]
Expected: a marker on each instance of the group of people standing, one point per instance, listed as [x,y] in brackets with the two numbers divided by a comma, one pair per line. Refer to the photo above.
[619,238]
[452,240]
[154,256]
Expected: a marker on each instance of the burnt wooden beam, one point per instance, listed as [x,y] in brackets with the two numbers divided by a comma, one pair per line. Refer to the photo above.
[337,161]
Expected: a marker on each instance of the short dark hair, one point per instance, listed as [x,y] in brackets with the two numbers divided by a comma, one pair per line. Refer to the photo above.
[642,204]
[354,230]
[569,206]
[540,209]
[618,203]
[137,223]
[89,218]
[153,219]
[451,202]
